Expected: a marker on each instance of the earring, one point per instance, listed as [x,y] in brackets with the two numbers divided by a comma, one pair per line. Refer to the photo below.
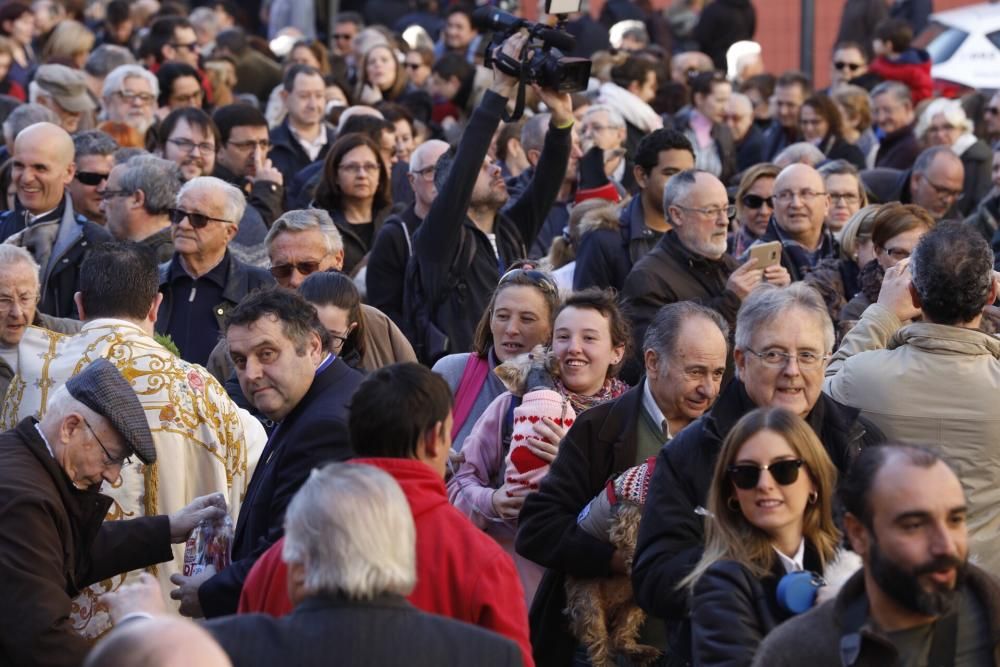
[733,504]
[813,497]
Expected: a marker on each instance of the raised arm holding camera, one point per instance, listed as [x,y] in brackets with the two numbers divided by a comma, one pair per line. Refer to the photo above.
[465,243]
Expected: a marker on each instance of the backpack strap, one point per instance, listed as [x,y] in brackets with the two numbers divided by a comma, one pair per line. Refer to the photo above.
[469,386]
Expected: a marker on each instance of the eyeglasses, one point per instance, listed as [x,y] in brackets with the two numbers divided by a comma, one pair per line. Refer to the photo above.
[534,277]
[413,66]
[339,338]
[108,459]
[283,271]
[23,301]
[111,194]
[713,213]
[746,476]
[355,168]
[848,198]
[756,201]
[342,37]
[839,65]
[596,127]
[945,192]
[425,172]
[940,128]
[91,178]
[192,98]
[191,46]
[197,220]
[991,111]
[187,145]
[132,97]
[779,359]
[263,144]
[786,196]
[898,254]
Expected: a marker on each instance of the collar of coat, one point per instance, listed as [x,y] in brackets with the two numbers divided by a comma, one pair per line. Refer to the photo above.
[945,339]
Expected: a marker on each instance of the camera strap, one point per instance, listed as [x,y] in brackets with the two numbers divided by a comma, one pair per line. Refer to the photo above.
[513,67]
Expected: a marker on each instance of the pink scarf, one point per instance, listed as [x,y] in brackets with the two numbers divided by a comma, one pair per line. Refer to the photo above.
[612,389]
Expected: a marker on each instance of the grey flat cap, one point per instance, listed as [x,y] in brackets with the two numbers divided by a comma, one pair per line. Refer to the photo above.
[68,86]
[105,391]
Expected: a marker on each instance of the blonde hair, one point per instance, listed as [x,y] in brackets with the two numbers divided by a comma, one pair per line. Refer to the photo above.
[68,39]
[857,229]
[728,534]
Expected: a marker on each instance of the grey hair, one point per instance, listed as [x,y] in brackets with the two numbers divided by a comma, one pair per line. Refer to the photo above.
[304,220]
[898,90]
[160,181]
[123,155]
[233,198]
[952,111]
[801,152]
[663,332]
[534,130]
[27,115]
[766,304]
[615,118]
[94,142]
[105,58]
[351,528]
[928,155]
[417,161]
[115,81]
[678,188]
[12,254]
[203,18]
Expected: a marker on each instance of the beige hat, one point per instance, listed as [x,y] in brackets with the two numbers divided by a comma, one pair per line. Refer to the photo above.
[67,86]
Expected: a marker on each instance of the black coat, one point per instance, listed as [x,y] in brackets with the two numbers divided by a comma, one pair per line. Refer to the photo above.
[732,611]
[777,139]
[462,290]
[671,535]
[721,135]
[387,265]
[599,446]
[386,631]
[606,256]
[723,23]
[671,273]
[287,154]
[978,163]
[355,248]
[54,541]
[838,148]
[313,433]
[898,150]
[750,151]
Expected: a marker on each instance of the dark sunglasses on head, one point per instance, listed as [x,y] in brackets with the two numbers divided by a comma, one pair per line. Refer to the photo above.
[756,201]
[534,277]
[91,178]
[746,476]
[283,271]
[850,66]
[197,220]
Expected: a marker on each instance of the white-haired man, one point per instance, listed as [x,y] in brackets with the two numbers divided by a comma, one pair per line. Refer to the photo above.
[129,96]
[203,280]
[350,548]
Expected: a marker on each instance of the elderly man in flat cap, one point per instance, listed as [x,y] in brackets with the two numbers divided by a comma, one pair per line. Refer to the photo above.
[53,536]
[64,91]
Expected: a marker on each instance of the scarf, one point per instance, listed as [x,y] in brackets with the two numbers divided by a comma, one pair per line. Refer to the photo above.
[612,389]
[631,107]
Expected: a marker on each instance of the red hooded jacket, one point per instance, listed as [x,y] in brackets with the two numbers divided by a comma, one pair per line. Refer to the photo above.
[461,572]
[912,67]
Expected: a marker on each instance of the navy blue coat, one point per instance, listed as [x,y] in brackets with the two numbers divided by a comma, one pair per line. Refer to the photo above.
[313,433]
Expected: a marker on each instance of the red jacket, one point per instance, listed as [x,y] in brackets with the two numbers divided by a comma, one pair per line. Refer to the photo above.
[461,572]
[912,67]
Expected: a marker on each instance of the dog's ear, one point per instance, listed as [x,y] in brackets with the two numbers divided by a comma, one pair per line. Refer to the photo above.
[510,375]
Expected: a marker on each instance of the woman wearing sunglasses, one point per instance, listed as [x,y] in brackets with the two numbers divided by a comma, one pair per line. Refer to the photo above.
[589,340]
[754,207]
[769,515]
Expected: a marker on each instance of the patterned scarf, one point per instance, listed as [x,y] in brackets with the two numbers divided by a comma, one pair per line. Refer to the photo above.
[612,389]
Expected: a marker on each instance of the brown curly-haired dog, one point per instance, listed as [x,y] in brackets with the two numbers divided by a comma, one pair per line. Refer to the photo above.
[603,613]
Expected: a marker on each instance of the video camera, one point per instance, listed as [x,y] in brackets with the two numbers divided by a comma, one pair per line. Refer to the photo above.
[542,61]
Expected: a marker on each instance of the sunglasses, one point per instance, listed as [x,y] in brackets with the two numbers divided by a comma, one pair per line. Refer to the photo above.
[850,66]
[197,220]
[756,201]
[746,476]
[91,178]
[539,279]
[283,271]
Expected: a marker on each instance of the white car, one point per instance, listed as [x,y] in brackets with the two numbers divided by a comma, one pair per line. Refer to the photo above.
[964,45]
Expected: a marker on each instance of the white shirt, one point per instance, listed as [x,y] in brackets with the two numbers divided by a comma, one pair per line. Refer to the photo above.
[38,428]
[793,564]
[650,406]
[312,147]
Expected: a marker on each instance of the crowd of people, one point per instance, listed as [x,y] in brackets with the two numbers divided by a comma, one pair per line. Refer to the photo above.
[695,366]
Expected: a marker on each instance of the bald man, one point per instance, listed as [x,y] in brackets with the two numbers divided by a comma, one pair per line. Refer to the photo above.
[43,219]
[748,136]
[162,641]
[391,250]
[801,204]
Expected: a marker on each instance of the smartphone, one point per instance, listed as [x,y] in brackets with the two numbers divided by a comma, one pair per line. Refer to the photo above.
[767,254]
